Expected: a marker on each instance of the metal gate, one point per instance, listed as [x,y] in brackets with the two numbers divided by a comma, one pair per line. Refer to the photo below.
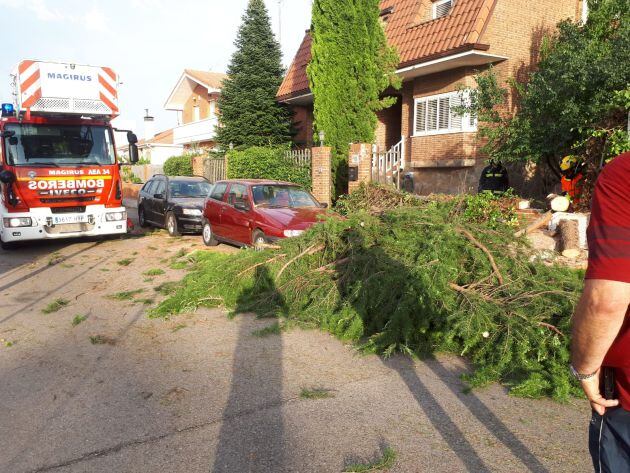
[388,166]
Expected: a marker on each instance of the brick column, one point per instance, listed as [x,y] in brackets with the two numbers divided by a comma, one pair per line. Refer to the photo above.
[197,165]
[322,174]
[361,158]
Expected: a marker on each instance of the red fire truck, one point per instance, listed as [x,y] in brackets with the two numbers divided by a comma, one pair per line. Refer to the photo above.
[59,174]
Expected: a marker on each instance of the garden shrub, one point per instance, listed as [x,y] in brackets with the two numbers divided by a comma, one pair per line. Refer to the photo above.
[179,166]
[266,163]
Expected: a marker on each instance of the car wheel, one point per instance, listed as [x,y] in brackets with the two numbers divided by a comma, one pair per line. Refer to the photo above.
[208,235]
[141,218]
[258,239]
[171,224]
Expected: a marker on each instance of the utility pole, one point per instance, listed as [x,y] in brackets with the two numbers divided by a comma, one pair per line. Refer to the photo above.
[280,22]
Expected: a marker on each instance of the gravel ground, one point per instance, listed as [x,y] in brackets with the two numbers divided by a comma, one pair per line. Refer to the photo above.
[120,392]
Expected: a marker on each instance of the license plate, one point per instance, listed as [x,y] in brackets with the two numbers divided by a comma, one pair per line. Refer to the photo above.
[61,219]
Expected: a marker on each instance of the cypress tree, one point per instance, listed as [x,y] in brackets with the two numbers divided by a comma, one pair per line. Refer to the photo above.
[250,115]
[351,66]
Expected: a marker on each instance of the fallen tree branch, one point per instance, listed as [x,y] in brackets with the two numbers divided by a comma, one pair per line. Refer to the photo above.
[310,250]
[551,327]
[322,269]
[463,290]
[260,264]
[479,245]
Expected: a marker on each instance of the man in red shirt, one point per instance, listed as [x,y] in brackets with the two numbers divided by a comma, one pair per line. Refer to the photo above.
[601,326]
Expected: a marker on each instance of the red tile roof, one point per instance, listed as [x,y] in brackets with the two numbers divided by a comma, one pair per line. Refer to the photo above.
[164,137]
[416,40]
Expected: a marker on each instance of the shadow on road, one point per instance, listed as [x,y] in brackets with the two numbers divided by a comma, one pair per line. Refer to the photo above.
[252,433]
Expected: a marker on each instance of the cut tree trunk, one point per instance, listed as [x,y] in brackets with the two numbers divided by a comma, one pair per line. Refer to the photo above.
[570,238]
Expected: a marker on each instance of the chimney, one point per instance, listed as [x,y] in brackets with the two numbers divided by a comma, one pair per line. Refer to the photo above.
[149,127]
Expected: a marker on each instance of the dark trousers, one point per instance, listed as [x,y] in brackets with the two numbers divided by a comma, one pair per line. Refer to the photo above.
[609,441]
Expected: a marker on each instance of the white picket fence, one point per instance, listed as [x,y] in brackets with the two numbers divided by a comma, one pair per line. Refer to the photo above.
[299,157]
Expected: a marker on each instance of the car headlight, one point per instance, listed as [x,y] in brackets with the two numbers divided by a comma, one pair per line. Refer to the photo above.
[17,222]
[193,212]
[115,216]
[293,233]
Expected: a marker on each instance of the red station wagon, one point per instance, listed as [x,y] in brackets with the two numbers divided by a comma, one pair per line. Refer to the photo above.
[252,212]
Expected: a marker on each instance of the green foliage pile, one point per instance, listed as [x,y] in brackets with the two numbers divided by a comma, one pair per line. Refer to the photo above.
[575,100]
[351,66]
[250,115]
[179,166]
[418,278]
[129,176]
[266,163]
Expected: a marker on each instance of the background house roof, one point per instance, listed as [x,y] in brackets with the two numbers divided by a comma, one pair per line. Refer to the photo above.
[164,137]
[415,39]
[212,80]
[186,84]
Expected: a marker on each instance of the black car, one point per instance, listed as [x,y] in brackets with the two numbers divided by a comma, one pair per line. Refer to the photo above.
[173,202]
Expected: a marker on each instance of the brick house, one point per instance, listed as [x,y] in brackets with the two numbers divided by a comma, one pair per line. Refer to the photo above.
[194,98]
[442,44]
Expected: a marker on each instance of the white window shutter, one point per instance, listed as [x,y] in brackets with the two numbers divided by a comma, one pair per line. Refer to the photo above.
[432,118]
[421,117]
[456,118]
[445,112]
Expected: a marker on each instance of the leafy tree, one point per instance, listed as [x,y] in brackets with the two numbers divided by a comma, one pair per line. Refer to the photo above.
[250,115]
[575,102]
[351,67]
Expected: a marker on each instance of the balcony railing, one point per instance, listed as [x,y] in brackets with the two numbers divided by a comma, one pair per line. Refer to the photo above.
[195,132]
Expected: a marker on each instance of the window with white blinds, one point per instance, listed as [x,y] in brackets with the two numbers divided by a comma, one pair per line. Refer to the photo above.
[442,8]
[437,114]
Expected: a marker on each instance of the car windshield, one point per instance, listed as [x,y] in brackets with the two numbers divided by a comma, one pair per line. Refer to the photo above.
[280,196]
[189,189]
[58,145]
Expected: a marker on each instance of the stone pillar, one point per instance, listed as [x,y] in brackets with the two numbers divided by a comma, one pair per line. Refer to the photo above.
[322,174]
[197,165]
[360,162]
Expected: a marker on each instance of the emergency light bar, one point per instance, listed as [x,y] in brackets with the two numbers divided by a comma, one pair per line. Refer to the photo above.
[8,110]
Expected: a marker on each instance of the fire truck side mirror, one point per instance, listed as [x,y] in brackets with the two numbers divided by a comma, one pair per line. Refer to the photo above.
[133,153]
[132,138]
[7,177]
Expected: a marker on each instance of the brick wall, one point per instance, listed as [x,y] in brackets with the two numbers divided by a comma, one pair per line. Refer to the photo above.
[201,98]
[388,128]
[321,174]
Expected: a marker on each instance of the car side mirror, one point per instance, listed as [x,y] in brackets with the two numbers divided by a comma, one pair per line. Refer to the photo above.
[132,139]
[241,206]
[323,205]
[158,196]
[6,177]
[133,153]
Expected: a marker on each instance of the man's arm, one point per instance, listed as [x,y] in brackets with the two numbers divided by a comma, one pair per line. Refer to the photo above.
[596,324]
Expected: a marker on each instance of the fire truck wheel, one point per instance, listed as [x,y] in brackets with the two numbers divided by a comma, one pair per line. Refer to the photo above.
[141,218]
[171,224]
[7,245]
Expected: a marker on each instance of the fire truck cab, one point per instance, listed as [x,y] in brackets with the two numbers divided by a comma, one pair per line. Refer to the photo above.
[59,173]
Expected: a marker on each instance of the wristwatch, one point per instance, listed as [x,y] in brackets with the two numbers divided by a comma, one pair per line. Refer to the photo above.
[580,376]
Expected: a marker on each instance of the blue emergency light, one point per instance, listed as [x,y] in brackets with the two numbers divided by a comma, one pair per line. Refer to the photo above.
[8,110]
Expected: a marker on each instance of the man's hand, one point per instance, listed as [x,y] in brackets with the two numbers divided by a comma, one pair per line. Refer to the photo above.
[598,402]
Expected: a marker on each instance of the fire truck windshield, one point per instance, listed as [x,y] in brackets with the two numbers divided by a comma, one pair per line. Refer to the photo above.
[59,145]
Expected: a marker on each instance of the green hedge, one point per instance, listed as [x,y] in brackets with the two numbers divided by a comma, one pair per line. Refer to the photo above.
[179,166]
[266,163]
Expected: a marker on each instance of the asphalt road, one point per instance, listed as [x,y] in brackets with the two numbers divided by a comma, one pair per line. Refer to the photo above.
[120,392]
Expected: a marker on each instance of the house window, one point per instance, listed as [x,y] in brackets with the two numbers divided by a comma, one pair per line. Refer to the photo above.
[442,8]
[437,115]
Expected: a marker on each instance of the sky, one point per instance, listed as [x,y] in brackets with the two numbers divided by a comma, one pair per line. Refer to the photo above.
[148,42]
